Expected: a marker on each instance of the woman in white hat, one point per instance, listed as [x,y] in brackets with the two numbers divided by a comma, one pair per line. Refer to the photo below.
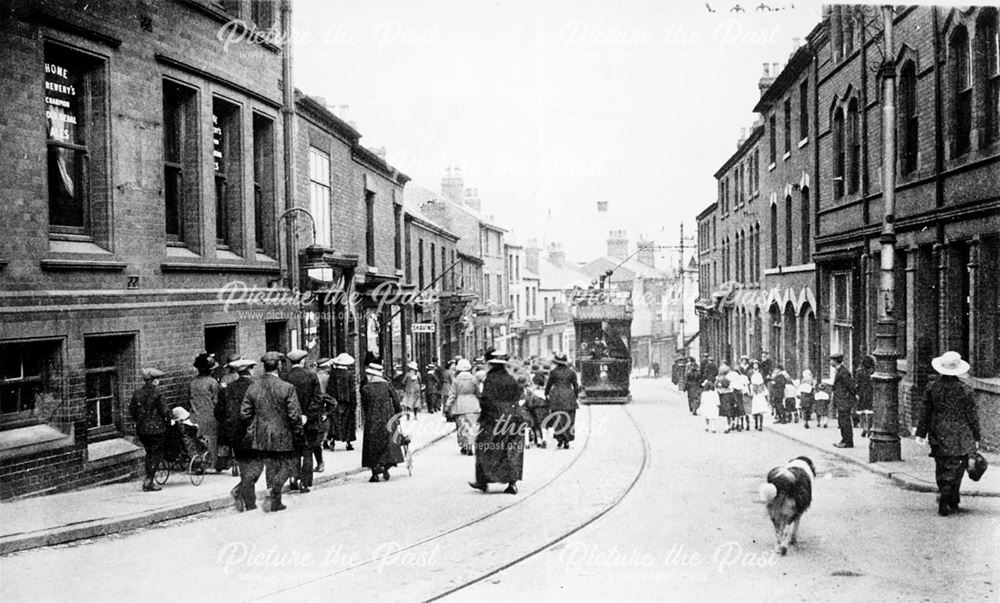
[412,389]
[463,404]
[950,422]
[380,448]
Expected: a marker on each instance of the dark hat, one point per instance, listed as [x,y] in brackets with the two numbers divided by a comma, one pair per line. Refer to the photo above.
[205,361]
[498,358]
[977,466]
[272,357]
[560,359]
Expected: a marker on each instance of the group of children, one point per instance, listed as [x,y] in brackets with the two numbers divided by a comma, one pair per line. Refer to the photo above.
[745,392]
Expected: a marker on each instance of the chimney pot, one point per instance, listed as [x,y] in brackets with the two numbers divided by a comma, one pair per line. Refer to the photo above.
[767,70]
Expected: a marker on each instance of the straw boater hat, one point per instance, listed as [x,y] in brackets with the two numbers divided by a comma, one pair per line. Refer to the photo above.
[413,365]
[343,359]
[560,359]
[463,365]
[374,369]
[323,363]
[232,360]
[950,363]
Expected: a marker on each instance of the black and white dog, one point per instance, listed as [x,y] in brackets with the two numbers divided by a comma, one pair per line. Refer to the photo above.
[788,494]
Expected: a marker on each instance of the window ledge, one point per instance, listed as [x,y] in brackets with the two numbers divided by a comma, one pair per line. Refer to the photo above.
[803,142]
[114,448]
[771,166]
[25,441]
[225,254]
[71,246]
[786,155]
[987,384]
[82,265]
[219,267]
[179,251]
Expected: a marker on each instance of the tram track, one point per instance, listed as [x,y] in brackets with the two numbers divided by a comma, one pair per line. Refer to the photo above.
[438,537]
[444,533]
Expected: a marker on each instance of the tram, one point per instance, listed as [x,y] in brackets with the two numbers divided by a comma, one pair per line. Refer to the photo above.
[603,331]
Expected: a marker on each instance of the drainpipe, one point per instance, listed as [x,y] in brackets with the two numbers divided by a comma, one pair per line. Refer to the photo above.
[288,136]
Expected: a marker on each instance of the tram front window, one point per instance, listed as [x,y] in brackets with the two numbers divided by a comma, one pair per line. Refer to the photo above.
[603,340]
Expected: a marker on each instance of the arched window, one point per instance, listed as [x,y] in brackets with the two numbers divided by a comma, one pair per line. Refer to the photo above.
[961,78]
[908,118]
[789,245]
[854,150]
[838,153]
[988,58]
[774,235]
[791,344]
[806,225]
[848,23]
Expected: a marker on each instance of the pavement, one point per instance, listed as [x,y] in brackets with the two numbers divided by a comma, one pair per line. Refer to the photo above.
[914,472]
[40,521]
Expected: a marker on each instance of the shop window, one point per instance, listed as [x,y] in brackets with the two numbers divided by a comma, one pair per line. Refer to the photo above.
[841,316]
[27,371]
[76,124]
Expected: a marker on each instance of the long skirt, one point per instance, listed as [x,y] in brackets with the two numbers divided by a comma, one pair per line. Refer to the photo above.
[345,423]
[467,424]
[729,406]
[563,424]
[499,456]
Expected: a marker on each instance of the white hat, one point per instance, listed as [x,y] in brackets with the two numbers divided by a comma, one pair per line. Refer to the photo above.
[374,369]
[413,365]
[950,363]
[180,413]
[463,365]
[344,359]
[241,364]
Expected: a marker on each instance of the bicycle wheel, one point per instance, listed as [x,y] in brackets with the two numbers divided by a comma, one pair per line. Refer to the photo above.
[162,473]
[196,470]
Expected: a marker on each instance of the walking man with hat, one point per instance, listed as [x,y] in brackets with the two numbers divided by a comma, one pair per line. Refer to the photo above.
[151,416]
[271,409]
[843,396]
[310,396]
[950,423]
[233,429]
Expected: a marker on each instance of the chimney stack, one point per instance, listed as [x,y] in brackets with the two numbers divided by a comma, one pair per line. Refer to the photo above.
[380,152]
[617,244]
[452,185]
[556,254]
[647,252]
[531,253]
[768,78]
[472,199]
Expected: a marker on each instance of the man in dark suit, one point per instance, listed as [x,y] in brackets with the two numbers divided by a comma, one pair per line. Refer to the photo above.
[310,395]
[843,396]
[151,416]
[233,429]
[271,409]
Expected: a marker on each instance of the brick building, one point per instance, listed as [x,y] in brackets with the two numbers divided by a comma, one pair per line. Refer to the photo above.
[947,193]
[143,162]
[357,280]
[824,110]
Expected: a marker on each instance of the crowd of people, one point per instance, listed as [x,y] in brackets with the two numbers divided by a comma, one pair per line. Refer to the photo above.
[744,393]
[753,388]
[279,422]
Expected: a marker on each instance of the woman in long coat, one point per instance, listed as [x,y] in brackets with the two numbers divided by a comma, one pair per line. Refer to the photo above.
[562,390]
[693,384]
[500,442]
[866,393]
[380,448]
[463,405]
[412,389]
[204,393]
[951,425]
[344,425]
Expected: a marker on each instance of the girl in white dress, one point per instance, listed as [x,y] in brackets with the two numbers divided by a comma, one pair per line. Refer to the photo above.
[709,407]
[758,402]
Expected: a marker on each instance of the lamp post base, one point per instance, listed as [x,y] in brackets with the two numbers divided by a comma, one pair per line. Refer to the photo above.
[884,447]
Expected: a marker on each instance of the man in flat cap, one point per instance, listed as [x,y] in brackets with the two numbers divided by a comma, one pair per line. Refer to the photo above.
[271,409]
[310,396]
[233,429]
[843,397]
[151,415]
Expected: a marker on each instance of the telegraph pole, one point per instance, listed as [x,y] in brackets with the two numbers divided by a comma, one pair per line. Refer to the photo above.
[884,444]
[682,342]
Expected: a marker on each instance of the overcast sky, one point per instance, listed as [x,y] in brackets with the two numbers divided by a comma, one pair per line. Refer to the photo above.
[549,107]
